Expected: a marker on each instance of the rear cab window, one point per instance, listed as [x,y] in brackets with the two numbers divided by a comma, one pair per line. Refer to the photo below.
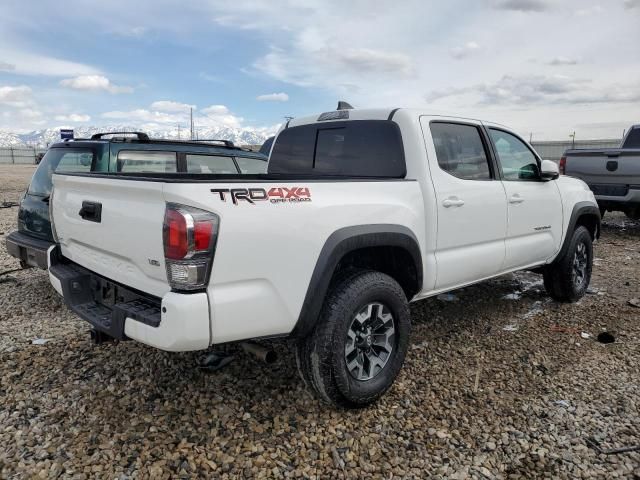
[61,160]
[355,148]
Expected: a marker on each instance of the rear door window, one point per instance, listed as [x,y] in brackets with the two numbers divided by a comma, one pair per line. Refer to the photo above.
[219,164]
[60,160]
[357,148]
[146,161]
[460,150]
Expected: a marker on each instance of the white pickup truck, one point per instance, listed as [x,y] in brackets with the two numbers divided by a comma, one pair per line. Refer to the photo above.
[360,213]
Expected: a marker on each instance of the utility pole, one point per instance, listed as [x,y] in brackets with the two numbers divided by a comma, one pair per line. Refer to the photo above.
[178,131]
[573,139]
[530,137]
[191,117]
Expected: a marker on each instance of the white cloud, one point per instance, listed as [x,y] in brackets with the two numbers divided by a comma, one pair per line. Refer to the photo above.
[18,97]
[593,10]
[73,117]
[533,90]
[216,115]
[464,51]
[30,114]
[558,61]
[523,5]
[273,97]
[391,54]
[26,63]
[215,110]
[370,60]
[171,106]
[144,115]
[94,83]
[220,115]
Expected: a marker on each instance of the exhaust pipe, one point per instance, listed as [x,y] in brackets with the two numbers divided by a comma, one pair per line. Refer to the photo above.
[262,353]
[98,337]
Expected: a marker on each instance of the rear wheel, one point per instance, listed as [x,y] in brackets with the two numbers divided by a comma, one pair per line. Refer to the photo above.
[568,277]
[360,341]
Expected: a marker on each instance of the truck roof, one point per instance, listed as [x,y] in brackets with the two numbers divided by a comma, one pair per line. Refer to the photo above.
[373,114]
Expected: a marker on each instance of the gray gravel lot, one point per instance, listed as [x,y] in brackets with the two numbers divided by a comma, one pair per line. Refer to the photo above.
[498,383]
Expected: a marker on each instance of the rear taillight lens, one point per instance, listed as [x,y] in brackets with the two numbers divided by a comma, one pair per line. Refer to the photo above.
[562,165]
[189,236]
[176,241]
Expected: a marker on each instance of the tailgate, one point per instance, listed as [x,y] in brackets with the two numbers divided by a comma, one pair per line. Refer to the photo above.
[112,227]
[605,167]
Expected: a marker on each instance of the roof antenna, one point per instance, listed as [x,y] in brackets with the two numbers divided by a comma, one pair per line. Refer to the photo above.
[342,105]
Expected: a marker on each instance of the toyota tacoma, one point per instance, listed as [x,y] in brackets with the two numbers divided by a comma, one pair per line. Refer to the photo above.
[360,213]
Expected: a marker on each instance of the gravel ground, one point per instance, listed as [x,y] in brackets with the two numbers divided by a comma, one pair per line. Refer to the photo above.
[499,382]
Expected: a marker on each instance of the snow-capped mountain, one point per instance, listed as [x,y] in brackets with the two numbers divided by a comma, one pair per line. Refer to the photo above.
[42,138]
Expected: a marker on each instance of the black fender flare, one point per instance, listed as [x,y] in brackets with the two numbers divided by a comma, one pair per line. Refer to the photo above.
[337,245]
[580,209]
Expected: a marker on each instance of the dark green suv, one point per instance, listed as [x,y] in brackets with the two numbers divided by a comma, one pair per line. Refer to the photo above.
[131,152]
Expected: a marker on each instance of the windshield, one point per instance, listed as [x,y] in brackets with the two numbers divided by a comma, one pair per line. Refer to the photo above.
[60,160]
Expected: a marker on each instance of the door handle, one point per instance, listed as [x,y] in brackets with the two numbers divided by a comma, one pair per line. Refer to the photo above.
[452,202]
[91,211]
[516,198]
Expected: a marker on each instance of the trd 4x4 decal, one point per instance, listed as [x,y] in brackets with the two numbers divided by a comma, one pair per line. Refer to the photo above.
[273,195]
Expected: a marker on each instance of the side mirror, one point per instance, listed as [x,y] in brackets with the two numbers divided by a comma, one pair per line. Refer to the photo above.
[549,170]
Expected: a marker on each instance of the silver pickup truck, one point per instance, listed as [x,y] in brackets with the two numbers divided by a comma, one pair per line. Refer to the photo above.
[613,174]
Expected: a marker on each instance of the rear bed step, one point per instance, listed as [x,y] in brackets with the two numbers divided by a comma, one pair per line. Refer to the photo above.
[104,304]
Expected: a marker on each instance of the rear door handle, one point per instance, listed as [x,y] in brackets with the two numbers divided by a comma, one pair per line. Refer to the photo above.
[452,202]
[91,211]
[516,198]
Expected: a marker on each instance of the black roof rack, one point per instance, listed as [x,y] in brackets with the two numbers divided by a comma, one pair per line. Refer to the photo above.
[143,137]
[227,143]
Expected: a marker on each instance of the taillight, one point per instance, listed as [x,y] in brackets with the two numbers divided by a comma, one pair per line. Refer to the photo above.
[189,236]
[562,165]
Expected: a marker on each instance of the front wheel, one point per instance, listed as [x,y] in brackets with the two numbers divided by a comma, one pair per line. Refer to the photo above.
[360,341]
[568,277]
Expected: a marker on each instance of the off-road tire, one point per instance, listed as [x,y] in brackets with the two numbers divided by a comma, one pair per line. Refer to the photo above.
[560,276]
[321,355]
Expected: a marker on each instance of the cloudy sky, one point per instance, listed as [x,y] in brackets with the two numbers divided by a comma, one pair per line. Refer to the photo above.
[544,67]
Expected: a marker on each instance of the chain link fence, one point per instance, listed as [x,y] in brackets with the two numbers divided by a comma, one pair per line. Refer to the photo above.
[20,155]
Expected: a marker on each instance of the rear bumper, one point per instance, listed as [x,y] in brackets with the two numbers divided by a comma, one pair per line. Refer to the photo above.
[631,197]
[176,322]
[27,249]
